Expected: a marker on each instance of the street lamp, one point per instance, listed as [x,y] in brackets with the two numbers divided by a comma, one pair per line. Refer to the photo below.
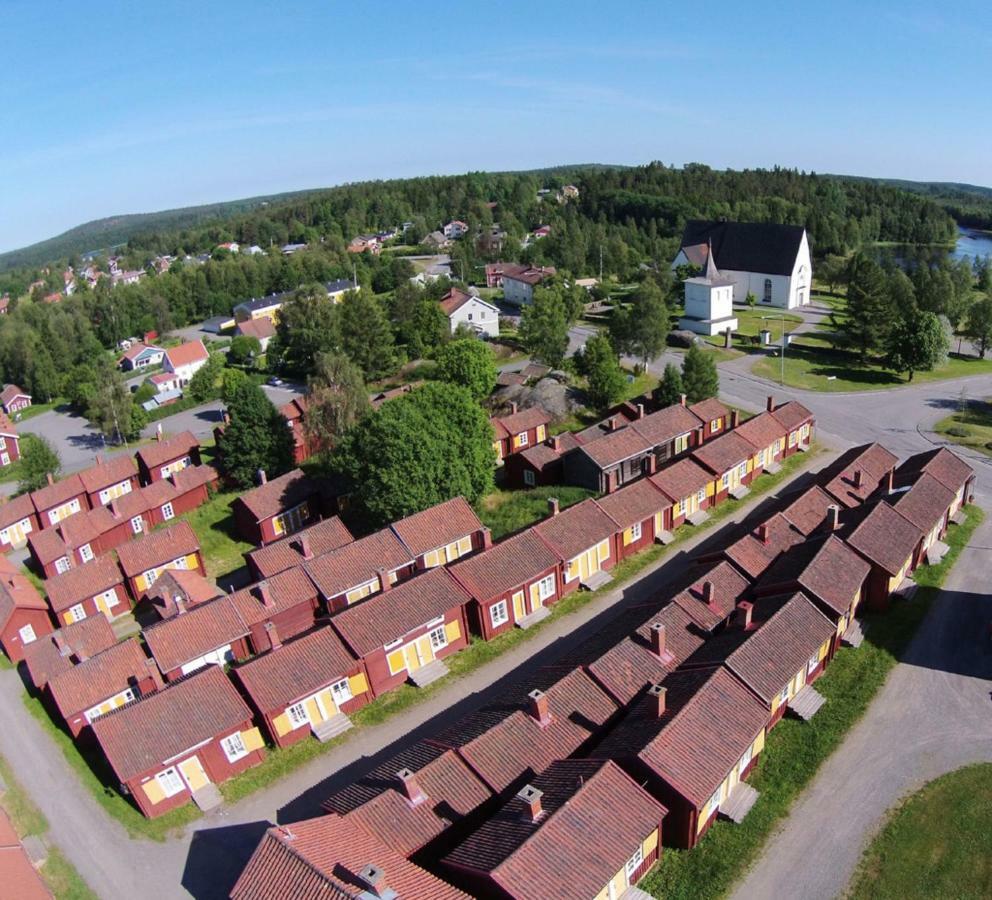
[782,317]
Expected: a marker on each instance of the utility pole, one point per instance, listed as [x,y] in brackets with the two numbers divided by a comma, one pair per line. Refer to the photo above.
[600,263]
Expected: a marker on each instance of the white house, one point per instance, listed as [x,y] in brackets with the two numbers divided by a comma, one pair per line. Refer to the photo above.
[141,356]
[709,302]
[519,282]
[472,311]
[454,229]
[767,260]
[184,360]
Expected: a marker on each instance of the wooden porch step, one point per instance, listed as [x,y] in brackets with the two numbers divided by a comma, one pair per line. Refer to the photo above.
[208,797]
[698,517]
[664,537]
[740,492]
[854,636]
[428,674]
[597,580]
[773,468]
[635,893]
[807,702]
[531,619]
[936,552]
[330,728]
[739,802]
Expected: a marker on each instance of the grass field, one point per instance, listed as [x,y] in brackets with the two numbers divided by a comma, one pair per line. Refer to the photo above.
[220,542]
[937,843]
[795,750]
[976,420]
[752,321]
[505,512]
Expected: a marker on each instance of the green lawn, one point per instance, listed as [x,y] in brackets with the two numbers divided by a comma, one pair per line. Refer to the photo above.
[975,420]
[937,843]
[220,542]
[36,409]
[795,750]
[750,322]
[506,512]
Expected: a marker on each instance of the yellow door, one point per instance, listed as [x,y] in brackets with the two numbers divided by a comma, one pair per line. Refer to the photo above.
[412,657]
[735,478]
[313,711]
[519,610]
[590,563]
[193,773]
[424,650]
[691,504]
[16,533]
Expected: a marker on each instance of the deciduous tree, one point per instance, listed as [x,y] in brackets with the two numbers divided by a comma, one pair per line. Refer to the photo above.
[917,343]
[670,389]
[337,398]
[979,324]
[699,375]
[604,376]
[544,328]
[470,363]
[255,439]
[38,459]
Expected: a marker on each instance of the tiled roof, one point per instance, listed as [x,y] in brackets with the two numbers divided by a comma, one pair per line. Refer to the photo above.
[872,461]
[87,637]
[761,546]
[724,452]
[278,494]
[576,529]
[616,446]
[524,420]
[284,591]
[630,666]
[12,392]
[385,617]
[15,509]
[82,582]
[320,859]
[297,669]
[541,455]
[75,531]
[16,592]
[947,467]
[185,354]
[925,503]
[357,562]
[191,586]
[824,567]
[18,874]
[666,424]
[633,503]
[379,803]
[792,414]
[260,328]
[709,409]
[576,846]
[160,452]
[142,735]
[454,300]
[437,526]
[808,511]
[883,536]
[101,676]
[158,547]
[726,587]
[710,719]
[109,472]
[58,493]
[762,430]
[192,634]
[193,477]
[682,478]
[325,536]
[503,743]
[507,565]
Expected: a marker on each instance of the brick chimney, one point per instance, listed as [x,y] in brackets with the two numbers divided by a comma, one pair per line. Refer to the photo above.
[735,418]
[770,403]
[613,423]
[80,655]
[555,442]
[640,410]
[682,399]
[50,477]
[410,787]
[708,593]
[656,698]
[611,482]
[306,551]
[158,432]
[858,478]
[539,707]
[272,633]
[384,582]
[487,538]
[262,477]
[150,681]
[99,459]
[60,644]
[744,611]
[374,880]
[180,602]
[650,464]
[658,638]
[513,407]
[553,506]
[531,798]
[833,517]
[890,478]
[763,532]
[266,595]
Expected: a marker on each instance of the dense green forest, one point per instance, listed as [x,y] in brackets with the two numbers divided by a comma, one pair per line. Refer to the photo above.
[969,204]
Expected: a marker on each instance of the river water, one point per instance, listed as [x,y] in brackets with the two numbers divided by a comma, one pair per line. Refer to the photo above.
[970,244]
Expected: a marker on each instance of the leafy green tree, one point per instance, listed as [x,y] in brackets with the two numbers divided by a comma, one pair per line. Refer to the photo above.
[337,398]
[604,376]
[917,343]
[205,383]
[670,389]
[231,380]
[307,326]
[244,349]
[470,363]
[902,293]
[544,328]
[110,407]
[870,315]
[832,271]
[652,324]
[699,375]
[366,335]
[751,300]
[418,450]
[978,327]
[255,439]
[38,459]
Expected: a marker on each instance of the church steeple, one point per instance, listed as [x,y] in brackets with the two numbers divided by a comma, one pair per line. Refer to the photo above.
[711,269]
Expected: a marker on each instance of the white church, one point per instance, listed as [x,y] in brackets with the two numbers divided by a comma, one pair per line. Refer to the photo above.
[767,260]
[709,302]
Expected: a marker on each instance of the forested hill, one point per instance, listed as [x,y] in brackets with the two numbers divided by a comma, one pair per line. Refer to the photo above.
[969,204]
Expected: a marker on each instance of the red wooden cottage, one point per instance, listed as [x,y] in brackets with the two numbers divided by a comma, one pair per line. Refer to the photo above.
[797,421]
[729,459]
[59,499]
[24,616]
[760,546]
[144,559]
[278,507]
[442,533]
[63,648]
[947,467]
[73,542]
[583,536]
[277,609]
[858,474]
[541,464]
[10,443]
[927,504]
[288,552]
[712,595]
[642,514]
[179,590]
[92,589]
[109,479]
[689,487]
[18,519]
[768,435]
[13,399]
[814,510]
[519,429]
[167,455]
[714,416]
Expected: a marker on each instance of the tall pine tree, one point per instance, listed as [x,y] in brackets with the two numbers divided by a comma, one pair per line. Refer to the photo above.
[699,376]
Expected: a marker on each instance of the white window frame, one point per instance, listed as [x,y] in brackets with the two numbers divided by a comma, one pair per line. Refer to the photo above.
[167,511]
[5,536]
[62,565]
[4,459]
[93,713]
[170,781]
[745,760]
[86,553]
[297,715]
[439,638]
[636,532]
[715,426]
[77,613]
[137,525]
[529,478]
[725,480]
[742,469]
[523,439]
[783,695]
[499,613]
[27,633]
[632,864]
[713,804]
[234,747]
[180,563]
[546,587]
[109,597]
[341,692]
[701,496]
[150,576]
[813,662]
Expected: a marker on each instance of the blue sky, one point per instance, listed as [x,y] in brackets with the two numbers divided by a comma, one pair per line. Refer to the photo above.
[131,107]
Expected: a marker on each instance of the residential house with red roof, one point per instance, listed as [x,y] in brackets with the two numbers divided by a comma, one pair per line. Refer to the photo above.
[18,873]
[442,533]
[13,399]
[360,568]
[541,464]
[947,467]
[858,474]
[185,360]
[927,504]
[672,431]
[109,479]
[91,589]
[277,608]
[641,512]
[406,632]
[99,684]
[471,311]
[812,511]
[177,589]
[584,537]
[60,650]
[768,435]
[511,583]
[797,421]
[140,356]
[24,616]
[144,559]
[519,430]
[178,743]
[18,518]
[729,459]
[167,455]
[712,595]
[288,552]
[561,837]
[413,799]
[519,282]
[691,741]
[208,634]
[777,646]
[73,542]
[331,858]
[263,329]
[59,499]
[278,507]
[690,489]
[755,550]
[611,460]
[307,686]
[10,443]
[714,415]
